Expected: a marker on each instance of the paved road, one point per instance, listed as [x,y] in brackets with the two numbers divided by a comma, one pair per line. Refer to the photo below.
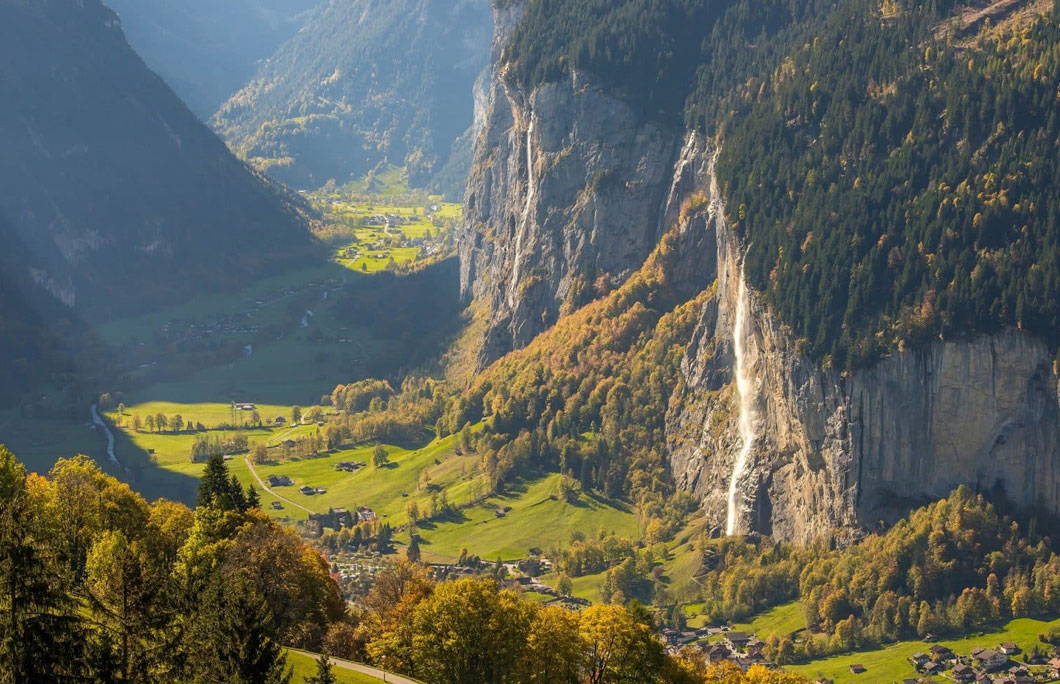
[261,483]
[364,669]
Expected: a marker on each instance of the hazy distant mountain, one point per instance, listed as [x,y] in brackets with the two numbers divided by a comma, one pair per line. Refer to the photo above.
[207,49]
[122,198]
[362,82]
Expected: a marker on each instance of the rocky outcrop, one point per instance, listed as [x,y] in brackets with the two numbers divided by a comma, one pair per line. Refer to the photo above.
[563,203]
[835,453]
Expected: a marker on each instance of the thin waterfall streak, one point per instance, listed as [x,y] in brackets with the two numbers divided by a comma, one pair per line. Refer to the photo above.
[531,191]
[745,391]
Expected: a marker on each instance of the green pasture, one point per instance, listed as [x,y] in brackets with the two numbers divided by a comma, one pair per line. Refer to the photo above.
[304,666]
[890,663]
[539,518]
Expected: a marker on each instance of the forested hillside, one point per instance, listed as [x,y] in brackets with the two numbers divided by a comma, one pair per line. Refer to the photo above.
[365,81]
[101,586]
[120,196]
[204,49]
[953,567]
[890,165]
[894,185]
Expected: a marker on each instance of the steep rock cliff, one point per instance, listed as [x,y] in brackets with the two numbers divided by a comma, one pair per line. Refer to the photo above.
[840,453]
[564,201]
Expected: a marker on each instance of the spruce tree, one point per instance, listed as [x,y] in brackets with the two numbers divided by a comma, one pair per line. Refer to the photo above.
[323,675]
[213,490]
[235,494]
[253,500]
[236,637]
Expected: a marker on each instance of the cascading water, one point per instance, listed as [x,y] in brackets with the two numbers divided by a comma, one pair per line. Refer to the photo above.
[530,193]
[745,389]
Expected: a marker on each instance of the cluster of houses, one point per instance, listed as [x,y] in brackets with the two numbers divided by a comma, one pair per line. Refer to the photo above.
[339,518]
[740,648]
[310,491]
[349,466]
[335,518]
[984,665]
[357,575]
[388,220]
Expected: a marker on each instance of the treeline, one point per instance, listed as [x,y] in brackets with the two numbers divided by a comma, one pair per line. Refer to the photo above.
[206,446]
[665,57]
[648,49]
[471,632]
[100,586]
[952,567]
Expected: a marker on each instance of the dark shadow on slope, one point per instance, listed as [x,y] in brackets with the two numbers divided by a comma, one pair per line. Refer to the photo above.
[415,315]
[148,478]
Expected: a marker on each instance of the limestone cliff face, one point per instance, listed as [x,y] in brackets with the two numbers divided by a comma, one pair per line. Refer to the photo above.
[563,203]
[838,454]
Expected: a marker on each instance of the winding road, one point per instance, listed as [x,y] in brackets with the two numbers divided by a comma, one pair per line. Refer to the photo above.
[382,675]
[261,483]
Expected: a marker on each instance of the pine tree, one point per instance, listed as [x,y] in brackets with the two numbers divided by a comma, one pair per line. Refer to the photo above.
[220,490]
[235,493]
[213,489]
[236,637]
[324,675]
[413,553]
[253,500]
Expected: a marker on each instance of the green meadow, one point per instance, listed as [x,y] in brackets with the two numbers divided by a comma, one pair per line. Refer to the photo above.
[304,666]
[890,663]
[538,518]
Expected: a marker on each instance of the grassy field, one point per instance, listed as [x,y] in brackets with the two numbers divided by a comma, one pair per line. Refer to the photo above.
[279,341]
[304,666]
[272,292]
[538,518]
[38,443]
[889,664]
[683,560]
[783,620]
[378,222]
[588,587]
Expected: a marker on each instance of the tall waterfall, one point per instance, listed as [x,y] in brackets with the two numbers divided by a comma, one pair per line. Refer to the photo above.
[745,388]
[531,191]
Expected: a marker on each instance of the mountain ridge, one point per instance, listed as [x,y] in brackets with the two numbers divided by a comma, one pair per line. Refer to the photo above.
[363,83]
[121,196]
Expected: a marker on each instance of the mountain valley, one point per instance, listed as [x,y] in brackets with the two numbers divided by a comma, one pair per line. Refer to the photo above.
[464,338]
